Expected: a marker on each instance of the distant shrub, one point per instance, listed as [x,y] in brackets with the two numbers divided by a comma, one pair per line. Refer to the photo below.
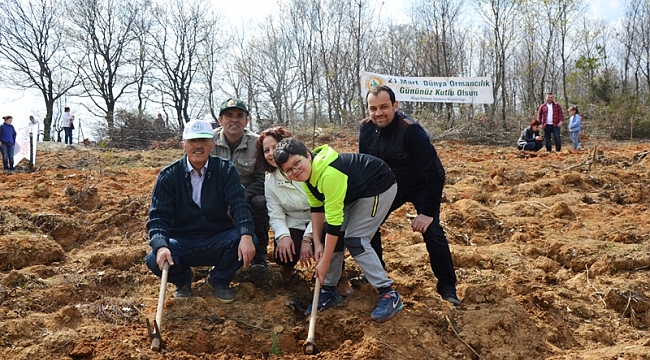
[132,130]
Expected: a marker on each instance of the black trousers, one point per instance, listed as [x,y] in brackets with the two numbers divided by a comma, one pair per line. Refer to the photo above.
[260,215]
[435,240]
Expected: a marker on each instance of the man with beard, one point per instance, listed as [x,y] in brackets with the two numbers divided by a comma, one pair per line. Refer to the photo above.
[404,145]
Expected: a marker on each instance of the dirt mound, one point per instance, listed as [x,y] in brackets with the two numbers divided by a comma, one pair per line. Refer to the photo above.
[552,254]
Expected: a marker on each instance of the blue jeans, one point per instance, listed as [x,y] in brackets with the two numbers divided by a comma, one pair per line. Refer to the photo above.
[219,250]
[68,135]
[574,139]
[555,130]
[8,155]
[531,146]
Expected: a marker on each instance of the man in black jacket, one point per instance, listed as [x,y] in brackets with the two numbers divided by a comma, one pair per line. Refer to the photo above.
[404,145]
[199,217]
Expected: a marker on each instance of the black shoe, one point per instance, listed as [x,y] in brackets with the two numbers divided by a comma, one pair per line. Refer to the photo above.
[223,293]
[327,298]
[184,291]
[259,265]
[452,298]
[359,281]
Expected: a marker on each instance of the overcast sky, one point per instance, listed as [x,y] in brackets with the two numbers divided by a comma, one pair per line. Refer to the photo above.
[609,10]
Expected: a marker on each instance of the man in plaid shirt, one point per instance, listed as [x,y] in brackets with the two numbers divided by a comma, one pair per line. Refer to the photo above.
[550,115]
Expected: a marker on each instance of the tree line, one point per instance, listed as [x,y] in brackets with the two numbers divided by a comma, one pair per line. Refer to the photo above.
[300,65]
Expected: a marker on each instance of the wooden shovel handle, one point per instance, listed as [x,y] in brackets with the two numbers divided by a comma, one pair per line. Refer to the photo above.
[161,297]
[314,311]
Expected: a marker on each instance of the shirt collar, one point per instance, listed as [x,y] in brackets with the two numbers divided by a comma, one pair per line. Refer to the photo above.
[189,168]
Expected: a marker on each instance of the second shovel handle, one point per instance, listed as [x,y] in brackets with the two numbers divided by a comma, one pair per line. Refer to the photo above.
[314,310]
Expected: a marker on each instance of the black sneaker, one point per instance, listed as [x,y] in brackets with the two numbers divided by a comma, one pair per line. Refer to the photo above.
[224,294]
[452,298]
[259,265]
[184,291]
[359,281]
[327,298]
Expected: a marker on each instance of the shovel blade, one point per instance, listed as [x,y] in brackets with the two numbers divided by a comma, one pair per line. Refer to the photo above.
[310,348]
[157,343]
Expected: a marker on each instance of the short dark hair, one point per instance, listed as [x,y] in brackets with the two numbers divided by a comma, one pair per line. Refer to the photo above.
[377,89]
[534,122]
[66,109]
[288,147]
[276,132]
[575,108]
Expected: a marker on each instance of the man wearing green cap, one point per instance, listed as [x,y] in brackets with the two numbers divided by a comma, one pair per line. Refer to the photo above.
[199,217]
[233,141]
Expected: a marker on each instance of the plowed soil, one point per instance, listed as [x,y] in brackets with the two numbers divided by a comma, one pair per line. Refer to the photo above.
[552,254]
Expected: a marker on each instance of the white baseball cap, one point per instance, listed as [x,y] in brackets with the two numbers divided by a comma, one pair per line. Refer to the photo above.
[197,129]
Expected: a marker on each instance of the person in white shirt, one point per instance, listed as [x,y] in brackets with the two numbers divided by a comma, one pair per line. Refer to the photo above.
[289,213]
[67,122]
[550,115]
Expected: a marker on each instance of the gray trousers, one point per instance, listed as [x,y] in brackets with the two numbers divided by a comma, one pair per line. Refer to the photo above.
[361,221]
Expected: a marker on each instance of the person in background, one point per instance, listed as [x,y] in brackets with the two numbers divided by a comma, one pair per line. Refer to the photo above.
[529,138]
[550,116]
[404,145]
[159,122]
[8,142]
[34,125]
[67,122]
[574,126]
[349,193]
[199,217]
[289,214]
[233,141]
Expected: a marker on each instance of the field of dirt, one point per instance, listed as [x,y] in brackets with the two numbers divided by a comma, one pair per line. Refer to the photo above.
[552,254]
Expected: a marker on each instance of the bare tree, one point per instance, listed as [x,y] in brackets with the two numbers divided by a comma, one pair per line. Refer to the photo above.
[33,44]
[527,60]
[568,11]
[639,39]
[500,16]
[179,39]
[214,45]
[275,68]
[105,33]
[239,72]
[142,53]
[440,48]
[301,15]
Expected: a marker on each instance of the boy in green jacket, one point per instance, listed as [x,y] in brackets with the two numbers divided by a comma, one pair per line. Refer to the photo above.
[351,193]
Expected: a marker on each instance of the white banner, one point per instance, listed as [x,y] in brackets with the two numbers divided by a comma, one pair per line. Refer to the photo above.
[474,90]
[21,151]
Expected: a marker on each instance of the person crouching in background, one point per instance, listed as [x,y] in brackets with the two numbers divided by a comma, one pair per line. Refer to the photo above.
[530,138]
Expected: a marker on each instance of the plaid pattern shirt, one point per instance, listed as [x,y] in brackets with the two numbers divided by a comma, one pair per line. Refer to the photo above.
[558,115]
